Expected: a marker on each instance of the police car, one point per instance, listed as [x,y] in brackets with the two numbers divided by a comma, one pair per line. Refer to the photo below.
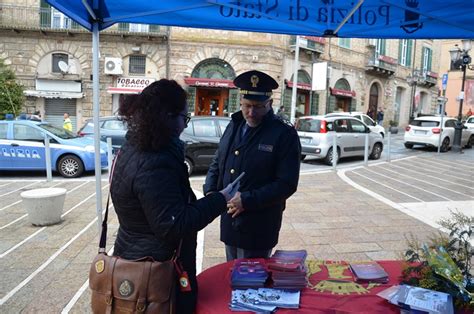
[22,147]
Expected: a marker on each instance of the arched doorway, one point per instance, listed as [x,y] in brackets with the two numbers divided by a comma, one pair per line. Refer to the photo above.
[373,101]
[307,101]
[211,90]
[342,97]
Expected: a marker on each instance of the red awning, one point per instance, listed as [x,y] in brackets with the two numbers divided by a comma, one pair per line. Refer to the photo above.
[342,92]
[205,82]
[304,86]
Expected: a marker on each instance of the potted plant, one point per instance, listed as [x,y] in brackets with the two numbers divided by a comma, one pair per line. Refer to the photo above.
[393,126]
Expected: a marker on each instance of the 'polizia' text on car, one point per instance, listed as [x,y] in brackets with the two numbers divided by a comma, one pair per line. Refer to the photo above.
[22,147]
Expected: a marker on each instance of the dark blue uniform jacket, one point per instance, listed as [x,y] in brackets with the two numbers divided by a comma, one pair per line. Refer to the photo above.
[270,156]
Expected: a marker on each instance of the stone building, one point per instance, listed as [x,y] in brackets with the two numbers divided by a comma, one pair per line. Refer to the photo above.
[52,56]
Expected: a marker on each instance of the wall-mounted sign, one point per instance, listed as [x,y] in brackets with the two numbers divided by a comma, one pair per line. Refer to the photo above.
[342,92]
[205,82]
[130,85]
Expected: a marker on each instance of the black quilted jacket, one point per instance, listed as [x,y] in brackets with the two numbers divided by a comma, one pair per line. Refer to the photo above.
[156,207]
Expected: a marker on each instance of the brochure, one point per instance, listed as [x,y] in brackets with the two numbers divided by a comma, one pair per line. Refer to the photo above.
[420,299]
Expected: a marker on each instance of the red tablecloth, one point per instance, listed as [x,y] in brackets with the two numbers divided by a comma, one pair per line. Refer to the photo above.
[215,291]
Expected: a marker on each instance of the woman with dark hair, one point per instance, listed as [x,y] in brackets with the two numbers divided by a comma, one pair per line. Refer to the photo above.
[150,190]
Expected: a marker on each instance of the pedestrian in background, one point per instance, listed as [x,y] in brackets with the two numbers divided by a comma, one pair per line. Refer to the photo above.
[380,115]
[281,113]
[469,113]
[151,193]
[67,124]
[268,150]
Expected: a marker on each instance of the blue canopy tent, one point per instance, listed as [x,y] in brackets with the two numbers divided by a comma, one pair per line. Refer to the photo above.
[352,19]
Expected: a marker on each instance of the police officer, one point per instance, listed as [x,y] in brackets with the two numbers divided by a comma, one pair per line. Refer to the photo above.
[267,149]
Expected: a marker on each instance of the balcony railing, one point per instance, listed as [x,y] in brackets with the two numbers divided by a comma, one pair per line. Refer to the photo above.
[382,65]
[38,18]
[315,44]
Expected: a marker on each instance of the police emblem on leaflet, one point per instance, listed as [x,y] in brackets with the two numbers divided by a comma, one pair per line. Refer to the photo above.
[265,148]
[99,266]
[126,288]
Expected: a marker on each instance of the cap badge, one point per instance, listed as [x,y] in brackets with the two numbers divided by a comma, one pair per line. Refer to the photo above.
[254,79]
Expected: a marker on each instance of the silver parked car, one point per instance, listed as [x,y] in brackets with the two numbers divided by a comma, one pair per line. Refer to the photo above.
[317,132]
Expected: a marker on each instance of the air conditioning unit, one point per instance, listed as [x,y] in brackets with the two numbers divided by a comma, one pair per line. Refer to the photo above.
[113,66]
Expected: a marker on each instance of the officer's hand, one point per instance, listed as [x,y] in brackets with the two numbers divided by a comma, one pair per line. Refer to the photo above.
[234,206]
[230,190]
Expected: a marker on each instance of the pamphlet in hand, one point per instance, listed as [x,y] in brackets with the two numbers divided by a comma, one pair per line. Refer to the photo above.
[369,271]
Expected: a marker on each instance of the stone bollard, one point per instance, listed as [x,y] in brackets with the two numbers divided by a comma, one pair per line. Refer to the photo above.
[44,206]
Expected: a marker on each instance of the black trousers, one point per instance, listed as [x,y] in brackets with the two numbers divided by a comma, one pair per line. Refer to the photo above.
[232,252]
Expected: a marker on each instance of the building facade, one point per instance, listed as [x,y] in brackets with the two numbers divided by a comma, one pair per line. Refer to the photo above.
[52,58]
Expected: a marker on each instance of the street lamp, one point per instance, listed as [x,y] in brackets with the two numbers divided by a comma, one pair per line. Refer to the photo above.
[413,79]
[460,59]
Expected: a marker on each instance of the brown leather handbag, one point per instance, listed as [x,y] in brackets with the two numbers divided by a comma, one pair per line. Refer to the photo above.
[124,286]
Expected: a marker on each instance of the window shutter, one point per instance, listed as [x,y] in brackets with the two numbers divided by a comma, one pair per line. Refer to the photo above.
[123,27]
[400,45]
[430,54]
[45,14]
[409,52]
[154,28]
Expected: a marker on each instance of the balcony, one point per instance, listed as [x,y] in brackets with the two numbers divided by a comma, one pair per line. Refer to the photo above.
[310,44]
[380,65]
[429,79]
[28,18]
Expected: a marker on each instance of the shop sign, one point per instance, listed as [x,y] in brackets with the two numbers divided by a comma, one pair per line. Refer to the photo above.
[205,82]
[134,82]
[342,92]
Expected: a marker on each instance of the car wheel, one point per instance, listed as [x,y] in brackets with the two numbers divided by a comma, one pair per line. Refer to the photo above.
[376,151]
[408,145]
[70,166]
[470,142]
[302,157]
[328,159]
[445,145]
[189,165]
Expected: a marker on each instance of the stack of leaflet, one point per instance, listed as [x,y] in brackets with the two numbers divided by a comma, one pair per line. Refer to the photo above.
[264,300]
[369,272]
[288,269]
[248,274]
[418,300]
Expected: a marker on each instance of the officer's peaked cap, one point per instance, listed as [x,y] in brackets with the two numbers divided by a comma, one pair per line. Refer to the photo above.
[255,85]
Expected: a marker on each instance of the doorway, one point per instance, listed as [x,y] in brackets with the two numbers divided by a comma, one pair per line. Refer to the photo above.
[211,101]
[373,101]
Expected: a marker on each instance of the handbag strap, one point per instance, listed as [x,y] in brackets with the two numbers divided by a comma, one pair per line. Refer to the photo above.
[103,235]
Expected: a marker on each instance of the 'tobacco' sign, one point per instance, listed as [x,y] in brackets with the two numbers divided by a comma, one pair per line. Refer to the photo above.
[134,82]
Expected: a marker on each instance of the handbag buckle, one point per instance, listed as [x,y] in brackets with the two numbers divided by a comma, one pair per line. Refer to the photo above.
[141,306]
[108,300]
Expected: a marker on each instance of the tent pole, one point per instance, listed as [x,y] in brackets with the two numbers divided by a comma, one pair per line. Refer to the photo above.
[96,113]
[295,79]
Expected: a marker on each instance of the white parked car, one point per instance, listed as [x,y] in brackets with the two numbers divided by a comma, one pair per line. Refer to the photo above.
[426,131]
[373,126]
[470,122]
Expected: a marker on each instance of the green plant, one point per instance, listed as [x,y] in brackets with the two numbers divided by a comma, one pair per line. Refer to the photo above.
[393,123]
[444,263]
[11,92]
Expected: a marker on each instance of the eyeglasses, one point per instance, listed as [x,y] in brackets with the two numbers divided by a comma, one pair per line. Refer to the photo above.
[186,117]
[254,107]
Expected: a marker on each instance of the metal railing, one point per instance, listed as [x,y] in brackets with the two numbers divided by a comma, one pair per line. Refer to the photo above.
[41,18]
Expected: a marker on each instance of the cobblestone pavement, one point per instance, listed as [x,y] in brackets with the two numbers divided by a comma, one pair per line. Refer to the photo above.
[352,214]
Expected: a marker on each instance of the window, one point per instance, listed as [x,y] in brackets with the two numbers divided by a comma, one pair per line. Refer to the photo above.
[140,28]
[59,57]
[137,65]
[405,52]
[204,128]
[449,124]
[422,123]
[345,42]
[308,125]
[341,125]
[27,133]
[367,120]
[223,125]
[114,125]
[380,47]
[357,126]
[426,59]
[3,131]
